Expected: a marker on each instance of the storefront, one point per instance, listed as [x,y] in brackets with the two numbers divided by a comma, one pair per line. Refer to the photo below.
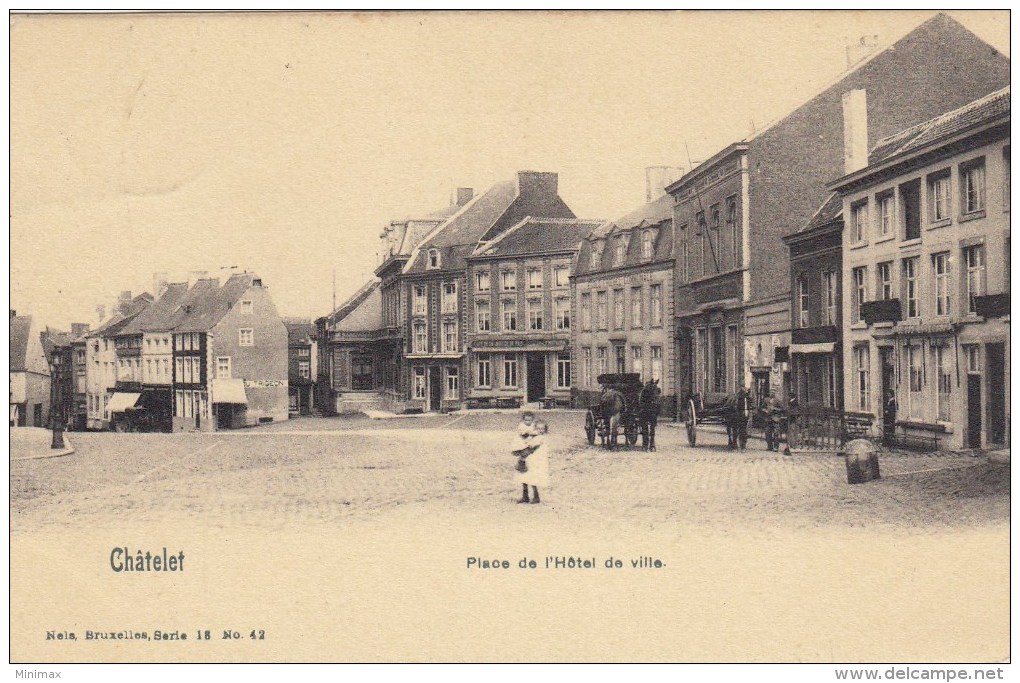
[508,369]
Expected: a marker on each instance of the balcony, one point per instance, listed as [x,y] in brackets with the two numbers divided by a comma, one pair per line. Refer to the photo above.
[992,305]
[883,311]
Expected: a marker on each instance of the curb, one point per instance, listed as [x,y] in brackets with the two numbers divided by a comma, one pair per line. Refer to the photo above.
[68,450]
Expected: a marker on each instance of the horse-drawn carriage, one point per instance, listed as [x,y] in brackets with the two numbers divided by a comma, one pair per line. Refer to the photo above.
[730,410]
[626,404]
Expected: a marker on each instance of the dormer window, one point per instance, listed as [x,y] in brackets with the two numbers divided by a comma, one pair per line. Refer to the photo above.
[596,256]
[433,258]
[647,244]
[620,250]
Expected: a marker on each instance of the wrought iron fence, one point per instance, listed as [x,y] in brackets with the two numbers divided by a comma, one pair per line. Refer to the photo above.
[817,428]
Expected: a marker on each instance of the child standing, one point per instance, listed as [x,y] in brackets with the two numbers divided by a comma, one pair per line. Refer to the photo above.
[536,459]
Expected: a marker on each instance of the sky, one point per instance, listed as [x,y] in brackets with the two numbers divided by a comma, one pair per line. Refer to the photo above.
[283,143]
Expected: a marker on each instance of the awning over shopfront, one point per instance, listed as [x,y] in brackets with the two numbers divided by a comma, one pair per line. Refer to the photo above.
[122,401]
[229,391]
[823,347]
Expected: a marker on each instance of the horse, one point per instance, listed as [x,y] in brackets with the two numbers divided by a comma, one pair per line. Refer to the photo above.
[649,404]
[738,414]
[612,404]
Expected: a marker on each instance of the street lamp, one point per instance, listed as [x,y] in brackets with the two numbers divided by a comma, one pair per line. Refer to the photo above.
[56,400]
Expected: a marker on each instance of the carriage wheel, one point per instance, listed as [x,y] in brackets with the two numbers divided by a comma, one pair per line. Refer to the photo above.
[631,433]
[692,423]
[589,428]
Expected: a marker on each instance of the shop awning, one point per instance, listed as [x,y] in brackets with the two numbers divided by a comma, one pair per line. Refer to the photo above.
[229,391]
[823,347]
[121,401]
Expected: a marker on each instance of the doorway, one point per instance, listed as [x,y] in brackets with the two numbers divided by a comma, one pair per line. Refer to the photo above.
[973,410]
[435,388]
[995,368]
[888,366]
[536,376]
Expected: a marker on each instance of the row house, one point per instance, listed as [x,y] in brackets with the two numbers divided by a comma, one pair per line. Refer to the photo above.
[732,269]
[622,296]
[78,417]
[29,381]
[816,350]
[926,277]
[519,313]
[301,360]
[433,285]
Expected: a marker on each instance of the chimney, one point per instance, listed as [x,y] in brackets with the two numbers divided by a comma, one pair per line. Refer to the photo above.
[537,183]
[125,296]
[78,329]
[657,178]
[196,275]
[159,283]
[101,313]
[464,195]
[855,130]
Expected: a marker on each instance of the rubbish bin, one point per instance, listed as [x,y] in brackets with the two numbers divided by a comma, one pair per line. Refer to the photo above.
[861,461]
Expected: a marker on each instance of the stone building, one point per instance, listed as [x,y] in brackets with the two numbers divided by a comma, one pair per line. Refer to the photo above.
[926,277]
[29,374]
[302,357]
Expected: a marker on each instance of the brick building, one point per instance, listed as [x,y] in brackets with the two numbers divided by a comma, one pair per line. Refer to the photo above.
[926,277]
[302,358]
[623,301]
[519,315]
[733,313]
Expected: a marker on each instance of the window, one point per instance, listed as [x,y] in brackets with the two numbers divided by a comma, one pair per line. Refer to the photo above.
[974,258]
[972,186]
[938,197]
[534,278]
[910,209]
[586,367]
[421,338]
[656,352]
[510,372]
[483,318]
[911,285]
[684,256]
[509,316]
[563,371]
[636,360]
[655,305]
[618,309]
[452,383]
[944,366]
[419,299]
[433,258]
[246,336]
[304,352]
[803,303]
[586,311]
[223,367]
[731,358]
[829,286]
[449,297]
[601,317]
[620,250]
[484,370]
[829,400]
[304,369]
[247,308]
[561,276]
[509,283]
[718,360]
[647,244]
[731,222]
[700,361]
[449,337]
[482,283]
[600,358]
[862,368]
[535,315]
[859,222]
[595,257]
[620,355]
[636,297]
[561,310]
[885,215]
[915,394]
[972,352]
[943,283]
[702,229]
[885,291]
[419,383]
[860,292]
[714,235]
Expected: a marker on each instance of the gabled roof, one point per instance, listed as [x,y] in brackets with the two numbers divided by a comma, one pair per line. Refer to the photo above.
[159,317]
[20,330]
[215,303]
[120,320]
[299,330]
[52,339]
[975,113]
[538,235]
[366,316]
[829,211]
[355,300]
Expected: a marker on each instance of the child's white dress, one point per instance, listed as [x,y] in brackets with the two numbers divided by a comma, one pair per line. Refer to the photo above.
[538,465]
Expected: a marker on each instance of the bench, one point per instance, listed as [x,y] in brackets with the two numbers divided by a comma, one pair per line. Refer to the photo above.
[547,402]
[916,442]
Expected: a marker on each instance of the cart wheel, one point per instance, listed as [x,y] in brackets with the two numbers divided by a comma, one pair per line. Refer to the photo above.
[692,423]
[631,434]
[589,428]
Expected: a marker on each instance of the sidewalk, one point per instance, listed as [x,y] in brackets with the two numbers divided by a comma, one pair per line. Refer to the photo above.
[31,443]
